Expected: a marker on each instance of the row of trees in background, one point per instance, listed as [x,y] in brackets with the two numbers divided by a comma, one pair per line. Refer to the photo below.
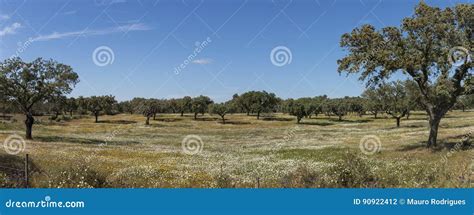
[396,99]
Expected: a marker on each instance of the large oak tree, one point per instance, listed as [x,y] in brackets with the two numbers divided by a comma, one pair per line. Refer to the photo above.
[422,49]
[28,83]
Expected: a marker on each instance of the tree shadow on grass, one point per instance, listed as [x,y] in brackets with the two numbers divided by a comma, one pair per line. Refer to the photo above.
[83,140]
[454,126]
[233,122]
[442,145]
[317,123]
[13,168]
[206,119]
[123,122]
[169,119]
[350,121]
[451,116]
[277,119]
[414,126]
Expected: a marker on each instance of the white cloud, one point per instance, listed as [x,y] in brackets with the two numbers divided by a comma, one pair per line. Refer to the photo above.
[108,2]
[71,12]
[202,61]
[10,29]
[4,17]
[87,32]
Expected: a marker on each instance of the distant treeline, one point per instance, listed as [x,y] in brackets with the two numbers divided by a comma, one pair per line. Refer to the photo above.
[396,99]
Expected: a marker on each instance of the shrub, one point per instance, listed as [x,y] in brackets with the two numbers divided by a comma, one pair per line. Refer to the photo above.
[224,180]
[351,171]
[302,177]
[6,182]
[80,176]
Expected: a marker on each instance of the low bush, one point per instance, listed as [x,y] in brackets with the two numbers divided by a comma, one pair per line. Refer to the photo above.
[80,176]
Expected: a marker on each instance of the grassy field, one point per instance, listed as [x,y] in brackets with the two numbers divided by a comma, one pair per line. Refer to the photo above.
[121,151]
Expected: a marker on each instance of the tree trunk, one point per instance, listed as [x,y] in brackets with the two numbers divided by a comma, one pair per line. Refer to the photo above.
[248,113]
[147,121]
[408,115]
[223,120]
[96,118]
[398,121]
[258,115]
[298,119]
[434,124]
[154,116]
[375,115]
[195,115]
[340,117]
[70,113]
[29,125]
[182,113]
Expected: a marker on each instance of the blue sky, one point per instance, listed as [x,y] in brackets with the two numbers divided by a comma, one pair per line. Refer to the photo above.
[150,39]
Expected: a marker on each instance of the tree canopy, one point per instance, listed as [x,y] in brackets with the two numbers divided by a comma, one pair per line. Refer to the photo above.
[27,83]
[422,48]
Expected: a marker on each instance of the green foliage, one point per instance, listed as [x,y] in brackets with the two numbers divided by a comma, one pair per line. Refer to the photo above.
[340,107]
[264,102]
[373,101]
[126,107]
[420,48]
[184,104]
[200,105]
[256,102]
[395,99]
[351,171]
[296,108]
[98,104]
[71,105]
[56,104]
[221,109]
[149,108]
[30,83]
[82,104]
[465,102]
